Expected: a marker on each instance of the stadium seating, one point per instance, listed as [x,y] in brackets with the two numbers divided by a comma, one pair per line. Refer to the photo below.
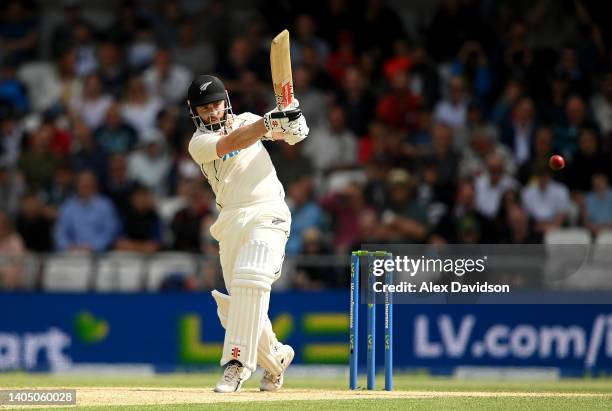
[120,271]
[166,264]
[67,272]
[567,250]
[568,236]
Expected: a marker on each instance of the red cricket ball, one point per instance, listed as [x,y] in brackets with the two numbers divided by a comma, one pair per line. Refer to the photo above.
[556,162]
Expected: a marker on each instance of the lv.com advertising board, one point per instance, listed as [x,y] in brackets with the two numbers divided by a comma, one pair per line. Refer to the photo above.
[180,331]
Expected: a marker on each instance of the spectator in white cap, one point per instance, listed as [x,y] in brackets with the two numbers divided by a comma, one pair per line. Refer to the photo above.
[150,165]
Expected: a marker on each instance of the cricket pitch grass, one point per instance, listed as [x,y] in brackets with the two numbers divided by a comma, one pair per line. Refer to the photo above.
[194,391]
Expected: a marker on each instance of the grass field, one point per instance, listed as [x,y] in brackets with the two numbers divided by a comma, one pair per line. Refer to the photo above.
[194,391]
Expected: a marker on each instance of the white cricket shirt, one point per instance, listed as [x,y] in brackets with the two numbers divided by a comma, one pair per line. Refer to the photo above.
[240,178]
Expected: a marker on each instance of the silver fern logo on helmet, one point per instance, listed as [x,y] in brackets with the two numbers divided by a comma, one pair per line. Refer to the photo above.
[204,86]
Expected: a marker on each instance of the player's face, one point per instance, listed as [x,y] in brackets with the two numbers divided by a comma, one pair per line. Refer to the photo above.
[212,112]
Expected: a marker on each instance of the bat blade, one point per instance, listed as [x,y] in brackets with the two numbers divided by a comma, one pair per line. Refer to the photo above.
[280,64]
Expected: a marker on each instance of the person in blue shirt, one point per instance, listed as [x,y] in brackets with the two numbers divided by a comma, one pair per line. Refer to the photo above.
[305,214]
[87,221]
[598,210]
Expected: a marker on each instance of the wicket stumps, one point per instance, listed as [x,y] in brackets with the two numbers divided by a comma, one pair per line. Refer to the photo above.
[370,323]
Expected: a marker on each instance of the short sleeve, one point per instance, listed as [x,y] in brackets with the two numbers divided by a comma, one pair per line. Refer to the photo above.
[250,118]
[203,147]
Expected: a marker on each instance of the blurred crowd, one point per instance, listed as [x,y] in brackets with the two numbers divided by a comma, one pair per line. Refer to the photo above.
[424,128]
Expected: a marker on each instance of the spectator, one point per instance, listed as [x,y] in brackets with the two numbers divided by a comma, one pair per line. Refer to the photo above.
[546,201]
[111,68]
[61,140]
[463,221]
[91,106]
[61,187]
[188,224]
[312,100]
[598,205]
[588,160]
[310,276]
[305,214]
[191,52]
[421,138]
[117,186]
[399,107]
[453,109]
[553,108]
[63,35]
[404,217]
[542,150]
[305,35]
[474,120]
[127,19]
[502,110]
[167,19]
[355,96]
[35,224]
[448,18]
[115,135]
[168,124]
[491,185]
[11,137]
[68,79]
[333,146]
[87,221]
[345,208]
[142,226]
[518,228]
[183,167]
[518,134]
[384,27]
[291,164]
[482,144]
[341,59]
[140,109]
[141,49]
[602,106]
[11,255]
[372,146]
[18,30]
[241,63]
[166,79]
[37,162]
[86,155]
[11,190]
[569,67]
[12,90]
[576,118]
[424,75]
[472,64]
[432,192]
[444,156]
[314,62]
[400,61]
[85,48]
[150,165]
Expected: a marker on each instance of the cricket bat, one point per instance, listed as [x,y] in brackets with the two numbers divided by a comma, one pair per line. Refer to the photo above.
[280,65]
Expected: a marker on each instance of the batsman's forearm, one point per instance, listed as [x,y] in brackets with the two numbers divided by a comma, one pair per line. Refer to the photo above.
[241,138]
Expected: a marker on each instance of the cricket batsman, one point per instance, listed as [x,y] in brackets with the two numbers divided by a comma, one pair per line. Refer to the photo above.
[252,227]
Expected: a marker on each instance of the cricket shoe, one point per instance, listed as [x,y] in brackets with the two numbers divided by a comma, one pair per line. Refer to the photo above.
[274,382]
[234,376]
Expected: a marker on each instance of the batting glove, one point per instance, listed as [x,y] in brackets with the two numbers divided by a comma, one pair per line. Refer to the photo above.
[298,131]
[277,121]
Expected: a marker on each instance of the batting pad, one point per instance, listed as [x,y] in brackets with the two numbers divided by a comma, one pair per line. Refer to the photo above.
[267,339]
[254,273]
